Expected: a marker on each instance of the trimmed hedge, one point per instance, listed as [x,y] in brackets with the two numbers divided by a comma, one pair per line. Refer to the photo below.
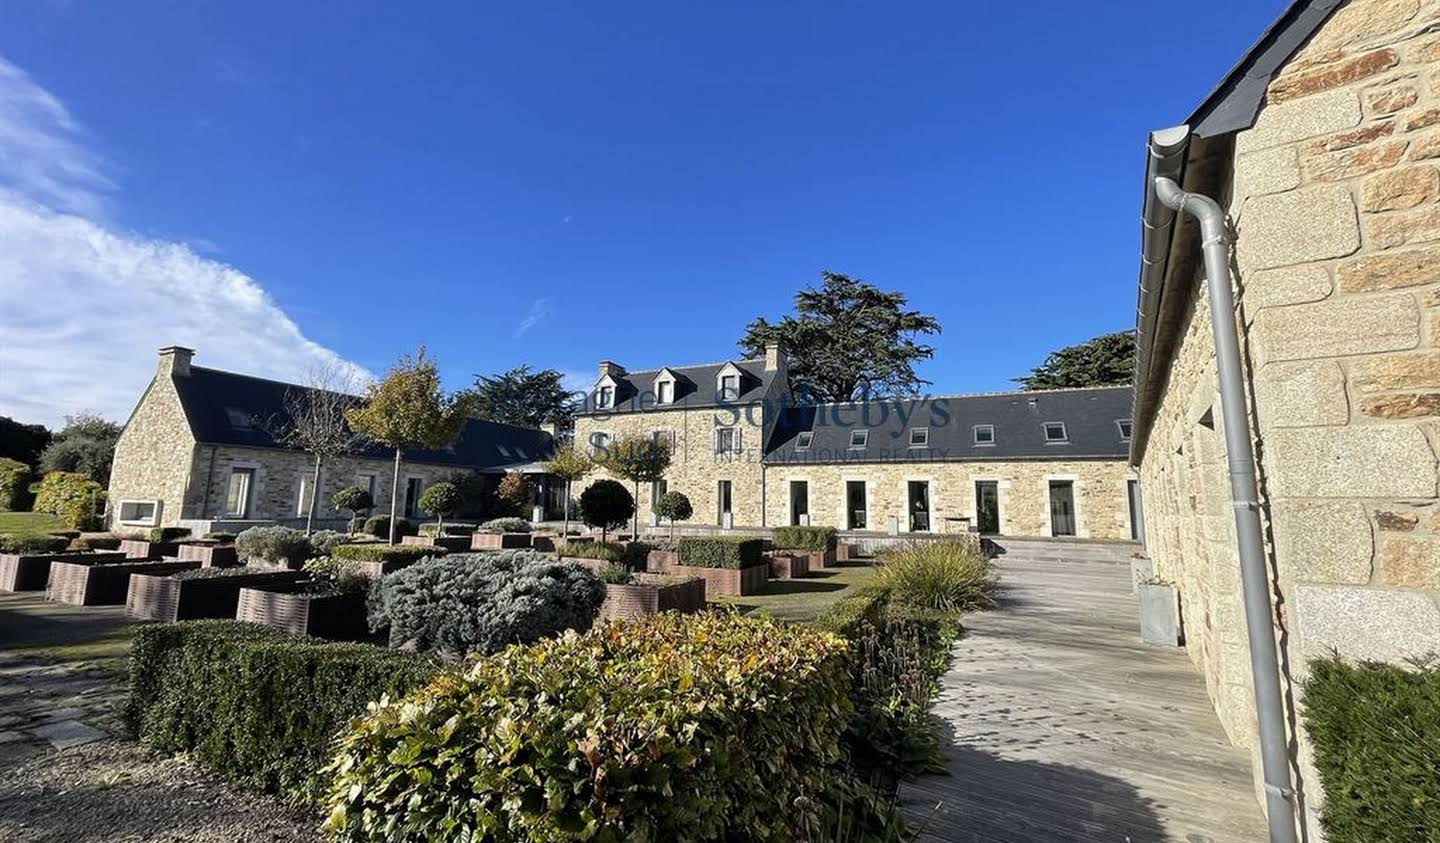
[721,551]
[14,485]
[631,553]
[809,539]
[385,552]
[675,728]
[33,543]
[1375,729]
[255,703]
[431,529]
[505,525]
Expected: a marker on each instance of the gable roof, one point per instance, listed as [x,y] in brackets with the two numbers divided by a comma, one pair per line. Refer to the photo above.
[1089,416]
[223,408]
[694,388]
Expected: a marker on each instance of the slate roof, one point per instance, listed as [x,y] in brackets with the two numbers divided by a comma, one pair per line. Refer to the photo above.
[694,388]
[1089,416]
[223,408]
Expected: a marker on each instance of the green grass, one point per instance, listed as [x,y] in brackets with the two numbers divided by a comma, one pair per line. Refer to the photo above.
[99,635]
[29,522]
[804,599]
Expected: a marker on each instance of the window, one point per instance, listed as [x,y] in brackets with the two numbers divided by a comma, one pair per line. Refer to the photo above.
[729,387]
[143,513]
[803,440]
[239,419]
[727,441]
[666,437]
[599,442]
[605,396]
[237,496]
[984,434]
[366,481]
[919,437]
[858,438]
[1125,429]
[1055,432]
[414,486]
[302,500]
[664,392]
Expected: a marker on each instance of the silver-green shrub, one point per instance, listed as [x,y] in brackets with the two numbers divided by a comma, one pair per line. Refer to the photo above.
[484,602]
[505,525]
[274,544]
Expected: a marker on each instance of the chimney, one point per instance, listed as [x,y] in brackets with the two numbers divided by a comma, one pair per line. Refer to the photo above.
[175,361]
[614,370]
[773,357]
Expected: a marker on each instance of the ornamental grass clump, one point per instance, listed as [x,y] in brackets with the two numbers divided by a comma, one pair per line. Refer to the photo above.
[484,602]
[674,728]
[945,575]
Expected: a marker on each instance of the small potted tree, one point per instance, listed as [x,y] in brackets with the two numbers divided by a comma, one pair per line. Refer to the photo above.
[672,506]
[605,505]
[440,500]
[356,500]
[569,465]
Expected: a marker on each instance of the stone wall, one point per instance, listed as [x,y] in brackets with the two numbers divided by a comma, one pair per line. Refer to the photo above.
[153,454]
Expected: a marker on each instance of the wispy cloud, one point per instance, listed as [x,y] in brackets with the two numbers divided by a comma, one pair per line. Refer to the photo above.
[83,306]
[539,309]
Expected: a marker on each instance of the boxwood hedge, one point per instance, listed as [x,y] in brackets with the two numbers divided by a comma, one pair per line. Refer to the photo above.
[720,551]
[676,728]
[810,539]
[377,552]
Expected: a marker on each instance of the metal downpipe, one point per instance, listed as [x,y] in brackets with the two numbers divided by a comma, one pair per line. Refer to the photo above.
[1240,456]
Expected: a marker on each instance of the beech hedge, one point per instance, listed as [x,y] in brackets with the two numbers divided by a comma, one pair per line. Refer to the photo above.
[675,728]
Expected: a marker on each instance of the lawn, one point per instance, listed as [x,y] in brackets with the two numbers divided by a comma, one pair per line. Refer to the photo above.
[804,599]
[29,522]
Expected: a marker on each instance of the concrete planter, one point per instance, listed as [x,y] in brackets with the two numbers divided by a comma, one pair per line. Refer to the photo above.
[31,572]
[209,555]
[646,596]
[454,544]
[499,541]
[726,582]
[788,564]
[102,584]
[1159,614]
[1141,568]
[162,597]
[337,616]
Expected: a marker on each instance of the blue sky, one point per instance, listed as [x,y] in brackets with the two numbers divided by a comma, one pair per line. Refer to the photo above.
[633,181]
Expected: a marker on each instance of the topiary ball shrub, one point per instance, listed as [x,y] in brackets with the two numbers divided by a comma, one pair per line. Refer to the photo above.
[379,527]
[505,525]
[605,505]
[275,545]
[484,602]
[677,728]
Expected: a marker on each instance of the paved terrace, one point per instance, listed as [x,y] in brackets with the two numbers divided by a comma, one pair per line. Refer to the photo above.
[1064,727]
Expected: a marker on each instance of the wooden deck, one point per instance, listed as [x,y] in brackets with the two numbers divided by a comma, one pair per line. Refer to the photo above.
[1062,726]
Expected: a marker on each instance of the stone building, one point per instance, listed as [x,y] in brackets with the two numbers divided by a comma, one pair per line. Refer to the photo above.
[747,455]
[1323,144]
[197,452]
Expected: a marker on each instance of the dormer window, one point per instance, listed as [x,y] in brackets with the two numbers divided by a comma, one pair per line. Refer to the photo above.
[605,397]
[729,387]
[858,438]
[664,392]
[1055,433]
[803,440]
[1126,428]
[239,419]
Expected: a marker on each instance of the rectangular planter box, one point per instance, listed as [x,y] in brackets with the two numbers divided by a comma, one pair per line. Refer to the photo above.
[209,555]
[788,564]
[818,561]
[641,598]
[726,582]
[26,572]
[157,597]
[844,552]
[141,549]
[88,584]
[454,544]
[659,561]
[499,541]
[545,542]
[1159,615]
[339,616]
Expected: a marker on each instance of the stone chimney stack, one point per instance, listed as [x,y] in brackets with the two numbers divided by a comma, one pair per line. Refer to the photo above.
[614,370]
[175,361]
[773,357]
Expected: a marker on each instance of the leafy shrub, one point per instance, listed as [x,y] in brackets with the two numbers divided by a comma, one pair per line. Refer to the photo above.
[809,539]
[356,499]
[325,541]
[14,485]
[485,601]
[357,525]
[33,544]
[381,552]
[71,496]
[166,535]
[1375,729]
[455,529]
[513,492]
[274,544]
[720,551]
[505,525]
[379,527]
[615,575]
[943,574]
[606,505]
[255,703]
[643,731]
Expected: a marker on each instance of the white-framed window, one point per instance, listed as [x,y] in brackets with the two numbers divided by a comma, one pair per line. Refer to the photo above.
[984,434]
[1126,429]
[237,493]
[605,397]
[667,437]
[727,441]
[1055,433]
[729,387]
[859,438]
[140,513]
[919,437]
[302,499]
[599,441]
[664,391]
[804,439]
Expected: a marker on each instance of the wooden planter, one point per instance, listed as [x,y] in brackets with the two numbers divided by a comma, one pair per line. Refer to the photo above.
[155,597]
[454,544]
[659,561]
[499,541]
[141,549]
[788,564]
[646,597]
[209,555]
[818,561]
[104,584]
[844,552]
[30,572]
[726,582]
[339,616]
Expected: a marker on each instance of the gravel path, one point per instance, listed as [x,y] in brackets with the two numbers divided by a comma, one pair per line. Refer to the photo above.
[120,792]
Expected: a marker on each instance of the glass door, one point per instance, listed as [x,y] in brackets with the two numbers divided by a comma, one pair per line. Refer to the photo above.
[799,503]
[855,504]
[919,506]
[987,506]
[724,499]
[1062,508]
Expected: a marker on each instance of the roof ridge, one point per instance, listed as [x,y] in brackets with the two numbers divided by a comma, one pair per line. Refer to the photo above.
[275,381]
[657,370]
[972,395]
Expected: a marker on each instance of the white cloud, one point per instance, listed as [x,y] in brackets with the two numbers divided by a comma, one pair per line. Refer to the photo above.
[539,309]
[83,307]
